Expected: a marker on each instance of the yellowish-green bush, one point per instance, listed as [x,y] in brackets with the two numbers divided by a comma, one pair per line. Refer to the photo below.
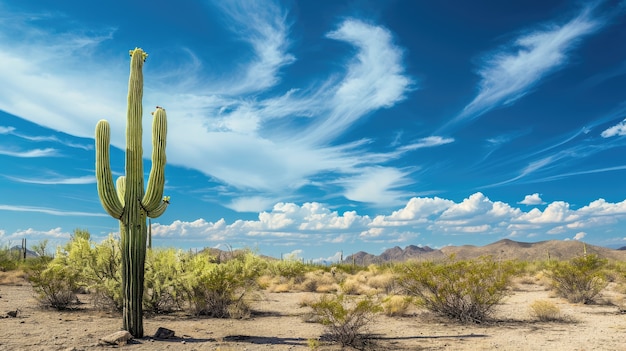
[218,289]
[164,289]
[466,290]
[55,284]
[346,318]
[545,311]
[580,279]
[396,305]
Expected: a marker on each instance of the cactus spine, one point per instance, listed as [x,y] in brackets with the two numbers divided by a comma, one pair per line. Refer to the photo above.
[127,201]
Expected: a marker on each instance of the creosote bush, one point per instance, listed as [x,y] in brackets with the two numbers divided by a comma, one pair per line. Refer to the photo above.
[55,285]
[346,317]
[580,279]
[219,289]
[545,311]
[466,290]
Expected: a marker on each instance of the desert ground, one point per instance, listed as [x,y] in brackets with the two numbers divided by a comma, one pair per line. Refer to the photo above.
[279,323]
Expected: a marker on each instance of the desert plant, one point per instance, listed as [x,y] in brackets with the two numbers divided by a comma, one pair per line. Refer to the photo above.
[396,305]
[218,289]
[129,203]
[545,311]
[466,290]
[580,279]
[346,318]
[55,284]
[164,288]
[9,259]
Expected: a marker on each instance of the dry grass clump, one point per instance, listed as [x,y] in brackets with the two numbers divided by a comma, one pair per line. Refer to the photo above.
[356,285]
[317,281]
[396,305]
[15,277]
[275,284]
[384,282]
[546,311]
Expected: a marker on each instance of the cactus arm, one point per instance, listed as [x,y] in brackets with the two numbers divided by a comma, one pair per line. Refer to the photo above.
[104,178]
[156,181]
[134,129]
[120,185]
[160,209]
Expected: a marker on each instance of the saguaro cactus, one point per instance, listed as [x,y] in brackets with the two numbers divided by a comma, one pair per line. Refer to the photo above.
[127,201]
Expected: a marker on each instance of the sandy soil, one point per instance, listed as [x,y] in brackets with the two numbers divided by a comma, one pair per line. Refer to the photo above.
[279,324]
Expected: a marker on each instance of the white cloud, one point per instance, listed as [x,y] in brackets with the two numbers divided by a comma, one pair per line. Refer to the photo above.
[511,72]
[50,211]
[6,130]
[221,127]
[47,152]
[616,130]
[426,219]
[430,141]
[61,180]
[534,199]
[375,185]
[264,26]
[375,79]
[555,212]
[33,234]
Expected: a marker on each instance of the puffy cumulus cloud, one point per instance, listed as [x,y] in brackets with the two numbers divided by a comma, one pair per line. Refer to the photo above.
[533,199]
[337,257]
[417,210]
[556,212]
[616,130]
[311,216]
[34,234]
[420,219]
[477,207]
[601,207]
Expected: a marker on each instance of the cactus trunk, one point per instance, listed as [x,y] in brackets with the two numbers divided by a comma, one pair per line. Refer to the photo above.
[129,203]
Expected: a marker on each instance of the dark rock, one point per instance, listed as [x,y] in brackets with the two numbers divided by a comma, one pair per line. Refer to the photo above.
[164,333]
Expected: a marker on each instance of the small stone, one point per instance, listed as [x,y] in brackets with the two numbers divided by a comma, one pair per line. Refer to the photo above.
[118,338]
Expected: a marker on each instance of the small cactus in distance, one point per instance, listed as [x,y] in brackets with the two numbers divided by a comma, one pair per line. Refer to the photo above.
[126,200]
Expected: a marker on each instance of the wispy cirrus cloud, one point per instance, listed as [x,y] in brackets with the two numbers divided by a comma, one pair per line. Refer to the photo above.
[430,141]
[374,79]
[50,211]
[224,129]
[90,179]
[265,28]
[52,138]
[47,152]
[514,70]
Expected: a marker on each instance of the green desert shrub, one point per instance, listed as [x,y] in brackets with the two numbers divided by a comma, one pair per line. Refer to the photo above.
[55,284]
[219,289]
[292,270]
[580,279]
[346,318]
[9,259]
[164,289]
[466,290]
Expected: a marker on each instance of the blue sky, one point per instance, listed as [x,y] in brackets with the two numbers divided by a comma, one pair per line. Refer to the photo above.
[315,127]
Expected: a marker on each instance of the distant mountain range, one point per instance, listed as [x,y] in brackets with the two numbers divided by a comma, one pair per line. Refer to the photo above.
[505,249]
